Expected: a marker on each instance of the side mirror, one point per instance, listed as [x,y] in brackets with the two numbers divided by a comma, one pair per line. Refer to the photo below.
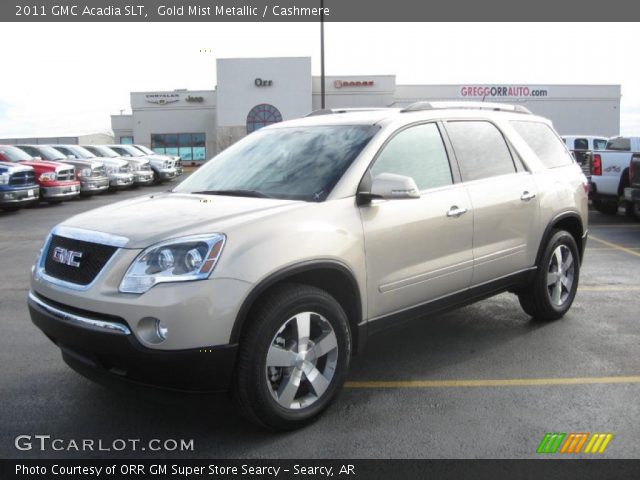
[390,186]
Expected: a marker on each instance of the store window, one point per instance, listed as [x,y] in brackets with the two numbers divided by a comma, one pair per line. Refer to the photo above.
[189,146]
[126,140]
[261,116]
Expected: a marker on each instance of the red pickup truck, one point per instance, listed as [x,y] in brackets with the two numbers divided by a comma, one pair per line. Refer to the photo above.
[57,180]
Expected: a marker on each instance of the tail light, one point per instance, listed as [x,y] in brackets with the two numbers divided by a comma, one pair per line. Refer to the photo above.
[596,165]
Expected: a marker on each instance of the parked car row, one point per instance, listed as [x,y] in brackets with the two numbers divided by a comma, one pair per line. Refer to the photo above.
[54,173]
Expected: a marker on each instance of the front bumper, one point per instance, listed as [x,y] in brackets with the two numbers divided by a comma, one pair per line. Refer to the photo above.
[102,347]
[19,196]
[632,194]
[91,185]
[119,181]
[143,177]
[166,173]
[60,192]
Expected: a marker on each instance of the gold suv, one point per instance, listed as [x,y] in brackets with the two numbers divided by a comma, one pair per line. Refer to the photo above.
[266,270]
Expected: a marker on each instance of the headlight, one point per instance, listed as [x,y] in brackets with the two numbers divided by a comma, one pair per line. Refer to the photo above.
[48,176]
[110,170]
[85,172]
[165,164]
[177,260]
[4,178]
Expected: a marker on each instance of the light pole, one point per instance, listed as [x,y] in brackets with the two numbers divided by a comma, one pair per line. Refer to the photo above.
[322,54]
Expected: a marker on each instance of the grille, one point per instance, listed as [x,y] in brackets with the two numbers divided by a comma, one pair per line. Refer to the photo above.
[67,174]
[22,178]
[98,172]
[93,259]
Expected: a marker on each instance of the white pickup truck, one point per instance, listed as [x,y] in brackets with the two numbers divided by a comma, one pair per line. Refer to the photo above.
[609,174]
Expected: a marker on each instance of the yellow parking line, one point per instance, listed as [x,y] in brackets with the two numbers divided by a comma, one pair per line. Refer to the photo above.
[514,382]
[615,246]
[610,289]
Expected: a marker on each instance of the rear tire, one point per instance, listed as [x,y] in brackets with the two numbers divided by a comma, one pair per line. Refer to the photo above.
[555,284]
[293,357]
[606,207]
[632,210]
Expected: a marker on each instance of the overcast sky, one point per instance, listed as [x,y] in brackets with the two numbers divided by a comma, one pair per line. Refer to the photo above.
[68,78]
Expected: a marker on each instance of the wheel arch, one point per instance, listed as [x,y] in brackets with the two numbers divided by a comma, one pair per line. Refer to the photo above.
[334,277]
[568,221]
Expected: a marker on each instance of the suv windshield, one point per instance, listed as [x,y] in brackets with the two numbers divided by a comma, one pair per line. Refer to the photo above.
[50,153]
[81,152]
[127,150]
[144,149]
[301,163]
[15,154]
[102,151]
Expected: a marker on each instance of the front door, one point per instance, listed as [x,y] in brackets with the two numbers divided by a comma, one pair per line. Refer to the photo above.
[417,249]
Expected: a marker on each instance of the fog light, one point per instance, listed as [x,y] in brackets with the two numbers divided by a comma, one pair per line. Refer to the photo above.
[152,330]
[161,330]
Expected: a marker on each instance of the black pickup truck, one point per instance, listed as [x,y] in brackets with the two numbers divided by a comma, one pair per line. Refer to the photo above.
[632,192]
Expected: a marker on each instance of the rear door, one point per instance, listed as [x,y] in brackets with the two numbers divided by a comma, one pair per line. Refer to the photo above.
[503,197]
[417,249]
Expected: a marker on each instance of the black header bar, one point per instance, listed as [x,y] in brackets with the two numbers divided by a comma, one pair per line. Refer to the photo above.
[311,11]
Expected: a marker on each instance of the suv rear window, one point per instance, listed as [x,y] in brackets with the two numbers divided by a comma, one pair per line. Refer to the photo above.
[620,143]
[544,142]
[599,144]
[480,149]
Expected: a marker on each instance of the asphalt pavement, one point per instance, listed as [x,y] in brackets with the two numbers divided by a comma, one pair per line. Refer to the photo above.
[484,381]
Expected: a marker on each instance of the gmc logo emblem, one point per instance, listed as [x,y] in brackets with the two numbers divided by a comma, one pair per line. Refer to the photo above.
[66,257]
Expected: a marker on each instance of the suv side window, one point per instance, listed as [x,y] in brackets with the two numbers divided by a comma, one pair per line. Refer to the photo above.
[417,152]
[581,144]
[544,142]
[481,149]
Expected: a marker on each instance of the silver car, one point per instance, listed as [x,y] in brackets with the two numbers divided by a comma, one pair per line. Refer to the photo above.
[163,168]
[139,167]
[117,170]
[268,268]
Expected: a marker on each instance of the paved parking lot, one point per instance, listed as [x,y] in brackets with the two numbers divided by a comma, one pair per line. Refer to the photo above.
[483,381]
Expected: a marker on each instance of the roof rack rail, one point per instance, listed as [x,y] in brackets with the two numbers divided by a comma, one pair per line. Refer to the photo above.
[496,107]
[330,111]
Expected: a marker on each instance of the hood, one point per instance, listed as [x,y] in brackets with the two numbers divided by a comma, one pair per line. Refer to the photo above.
[152,218]
[114,162]
[135,161]
[12,167]
[84,162]
[47,165]
[155,159]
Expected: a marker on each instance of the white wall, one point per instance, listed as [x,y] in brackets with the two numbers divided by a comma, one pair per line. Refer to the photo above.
[340,93]
[289,92]
[574,109]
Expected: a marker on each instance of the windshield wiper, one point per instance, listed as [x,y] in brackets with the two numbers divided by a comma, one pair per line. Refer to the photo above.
[235,193]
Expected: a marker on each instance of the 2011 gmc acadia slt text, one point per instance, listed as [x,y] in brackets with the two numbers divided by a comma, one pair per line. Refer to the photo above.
[266,270]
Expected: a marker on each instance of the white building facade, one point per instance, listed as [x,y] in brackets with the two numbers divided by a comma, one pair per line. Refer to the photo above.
[254,92]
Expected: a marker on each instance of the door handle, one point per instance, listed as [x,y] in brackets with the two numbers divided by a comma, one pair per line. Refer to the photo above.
[526,196]
[456,212]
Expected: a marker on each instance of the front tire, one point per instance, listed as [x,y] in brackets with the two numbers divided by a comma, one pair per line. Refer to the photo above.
[555,284]
[293,357]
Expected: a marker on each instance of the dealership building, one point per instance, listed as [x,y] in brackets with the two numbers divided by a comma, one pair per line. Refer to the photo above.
[254,92]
